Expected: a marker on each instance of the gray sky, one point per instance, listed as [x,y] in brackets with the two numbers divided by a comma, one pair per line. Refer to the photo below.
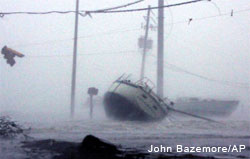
[216,47]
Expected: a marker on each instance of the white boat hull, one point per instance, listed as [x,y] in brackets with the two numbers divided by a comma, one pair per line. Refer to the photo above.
[125,101]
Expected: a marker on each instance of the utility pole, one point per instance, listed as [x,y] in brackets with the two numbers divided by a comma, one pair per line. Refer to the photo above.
[73,83]
[160,49]
[145,44]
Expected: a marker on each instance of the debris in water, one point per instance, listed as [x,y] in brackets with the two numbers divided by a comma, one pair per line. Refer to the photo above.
[9,128]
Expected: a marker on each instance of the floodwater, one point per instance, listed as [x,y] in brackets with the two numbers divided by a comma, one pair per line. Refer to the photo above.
[172,131]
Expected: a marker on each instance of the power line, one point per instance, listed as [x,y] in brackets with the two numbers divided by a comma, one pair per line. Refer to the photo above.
[88,54]
[159,7]
[229,83]
[212,16]
[181,70]
[109,10]
[49,12]
[112,10]
[79,37]
[82,12]
[167,65]
[171,24]
[135,29]
[118,7]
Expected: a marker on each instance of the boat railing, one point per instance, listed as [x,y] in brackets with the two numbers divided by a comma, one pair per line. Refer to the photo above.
[123,77]
[146,83]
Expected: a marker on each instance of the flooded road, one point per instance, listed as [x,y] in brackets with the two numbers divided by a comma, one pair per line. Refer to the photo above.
[170,132]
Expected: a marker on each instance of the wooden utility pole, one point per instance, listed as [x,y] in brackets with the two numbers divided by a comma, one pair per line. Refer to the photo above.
[160,49]
[73,83]
[145,44]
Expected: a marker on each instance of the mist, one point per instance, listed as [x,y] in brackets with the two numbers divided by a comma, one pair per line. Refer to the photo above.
[40,83]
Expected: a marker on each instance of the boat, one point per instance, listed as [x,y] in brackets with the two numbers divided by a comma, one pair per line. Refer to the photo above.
[134,101]
[206,107]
